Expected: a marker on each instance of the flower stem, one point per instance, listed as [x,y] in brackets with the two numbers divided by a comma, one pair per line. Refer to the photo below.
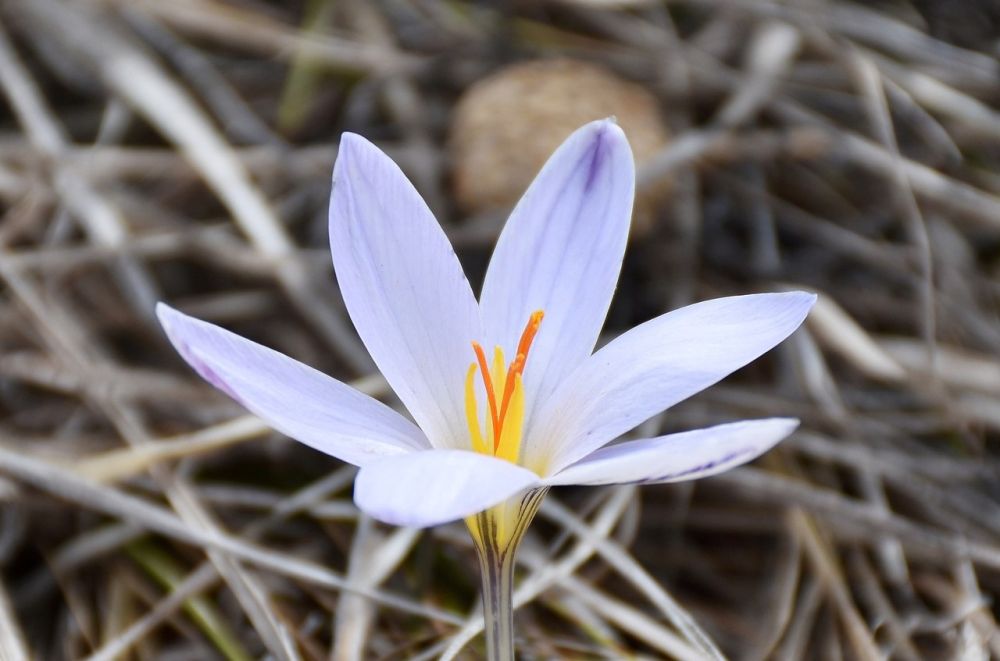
[497,533]
[497,570]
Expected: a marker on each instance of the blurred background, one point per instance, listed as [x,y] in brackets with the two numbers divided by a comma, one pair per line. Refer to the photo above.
[181,151]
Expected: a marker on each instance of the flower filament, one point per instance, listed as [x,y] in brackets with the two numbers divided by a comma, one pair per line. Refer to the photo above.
[504,396]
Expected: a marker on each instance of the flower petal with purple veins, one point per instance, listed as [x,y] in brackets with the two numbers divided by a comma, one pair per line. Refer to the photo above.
[654,366]
[291,397]
[677,457]
[561,252]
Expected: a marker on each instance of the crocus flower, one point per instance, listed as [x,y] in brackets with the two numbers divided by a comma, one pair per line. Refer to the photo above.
[506,395]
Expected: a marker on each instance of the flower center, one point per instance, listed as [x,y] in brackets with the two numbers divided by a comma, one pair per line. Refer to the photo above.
[505,416]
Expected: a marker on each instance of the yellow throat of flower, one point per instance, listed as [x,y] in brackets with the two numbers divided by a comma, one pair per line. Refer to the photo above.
[504,396]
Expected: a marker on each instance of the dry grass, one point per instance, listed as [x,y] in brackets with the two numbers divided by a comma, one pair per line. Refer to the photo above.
[181,151]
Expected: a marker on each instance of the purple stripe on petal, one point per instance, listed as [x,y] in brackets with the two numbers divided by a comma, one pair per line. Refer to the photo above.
[734,457]
[204,370]
[598,156]
[676,457]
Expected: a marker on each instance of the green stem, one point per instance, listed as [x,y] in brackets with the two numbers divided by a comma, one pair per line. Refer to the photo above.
[497,568]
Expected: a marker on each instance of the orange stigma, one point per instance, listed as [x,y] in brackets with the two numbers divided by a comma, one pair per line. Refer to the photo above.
[510,407]
[517,365]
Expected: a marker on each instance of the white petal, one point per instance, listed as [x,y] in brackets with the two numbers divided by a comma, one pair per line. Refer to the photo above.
[295,399]
[427,488]
[654,366]
[404,288]
[561,252]
[677,457]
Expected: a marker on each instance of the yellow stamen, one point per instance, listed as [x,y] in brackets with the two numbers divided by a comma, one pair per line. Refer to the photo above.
[471,412]
[499,371]
[509,446]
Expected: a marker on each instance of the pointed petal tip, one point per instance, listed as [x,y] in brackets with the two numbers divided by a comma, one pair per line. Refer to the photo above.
[807,297]
[351,141]
[793,306]
[801,301]
[169,318]
[178,326]
[600,132]
[183,332]
[783,426]
[356,152]
[606,123]
[604,130]
[607,150]
[167,314]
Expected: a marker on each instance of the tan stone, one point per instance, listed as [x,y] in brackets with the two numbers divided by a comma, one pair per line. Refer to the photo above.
[507,125]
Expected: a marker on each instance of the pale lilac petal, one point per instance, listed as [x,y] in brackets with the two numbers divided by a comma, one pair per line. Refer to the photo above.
[561,252]
[295,399]
[676,457]
[654,366]
[424,489]
[404,288]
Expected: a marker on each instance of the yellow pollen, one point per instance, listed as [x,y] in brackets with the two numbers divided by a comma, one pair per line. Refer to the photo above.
[471,414]
[509,445]
[505,418]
